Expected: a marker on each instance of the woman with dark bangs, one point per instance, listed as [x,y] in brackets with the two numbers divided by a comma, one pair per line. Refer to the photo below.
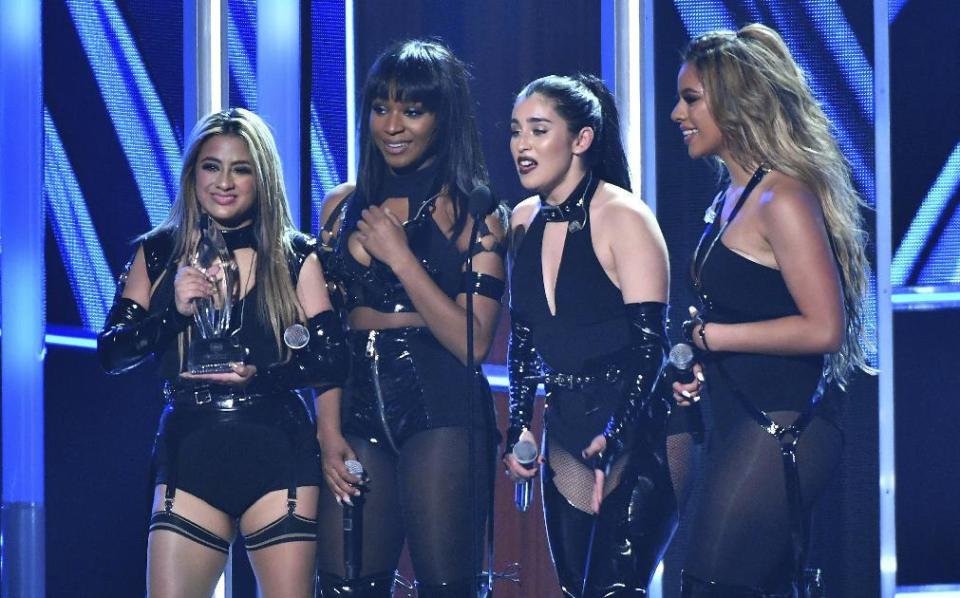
[397,244]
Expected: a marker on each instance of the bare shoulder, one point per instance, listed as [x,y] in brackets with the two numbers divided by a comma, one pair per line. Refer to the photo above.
[334,198]
[524,212]
[618,208]
[786,200]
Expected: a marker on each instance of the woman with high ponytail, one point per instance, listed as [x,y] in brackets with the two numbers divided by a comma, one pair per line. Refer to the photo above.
[781,272]
[588,294]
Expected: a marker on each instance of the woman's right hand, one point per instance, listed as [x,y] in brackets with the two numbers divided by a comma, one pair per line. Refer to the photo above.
[689,393]
[334,451]
[515,471]
[189,284]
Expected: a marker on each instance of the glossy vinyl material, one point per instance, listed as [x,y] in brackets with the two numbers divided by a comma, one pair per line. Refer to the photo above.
[525,372]
[648,347]
[628,537]
[372,586]
[403,381]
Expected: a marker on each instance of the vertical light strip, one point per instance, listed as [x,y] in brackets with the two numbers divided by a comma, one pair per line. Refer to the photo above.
[647,184]
[351,78]
[627,20]
[22,528]
[278,87]
[887,486]
[204,56]
[648,187]
[217,55]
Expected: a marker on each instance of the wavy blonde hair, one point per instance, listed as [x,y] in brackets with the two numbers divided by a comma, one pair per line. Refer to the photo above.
[763,106]
[272,224]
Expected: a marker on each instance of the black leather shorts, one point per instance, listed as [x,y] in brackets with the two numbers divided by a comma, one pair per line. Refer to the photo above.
[403,381]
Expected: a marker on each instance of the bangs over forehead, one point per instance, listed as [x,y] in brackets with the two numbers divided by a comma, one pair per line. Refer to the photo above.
[411,74]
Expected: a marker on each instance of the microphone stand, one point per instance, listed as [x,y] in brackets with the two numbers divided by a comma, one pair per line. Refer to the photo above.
[471,395]
[480,204]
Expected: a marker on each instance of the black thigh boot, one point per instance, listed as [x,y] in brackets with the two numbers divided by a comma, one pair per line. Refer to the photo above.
[568,532]
[463,588]
[371,586]
[635,525]
[693,587]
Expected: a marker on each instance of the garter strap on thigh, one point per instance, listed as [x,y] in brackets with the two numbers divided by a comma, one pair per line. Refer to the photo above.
[787,436]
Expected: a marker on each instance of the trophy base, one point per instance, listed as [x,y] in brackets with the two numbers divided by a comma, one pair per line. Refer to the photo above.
[214,355]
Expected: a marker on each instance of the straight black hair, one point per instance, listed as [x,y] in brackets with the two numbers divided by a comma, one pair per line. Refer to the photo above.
[426,71]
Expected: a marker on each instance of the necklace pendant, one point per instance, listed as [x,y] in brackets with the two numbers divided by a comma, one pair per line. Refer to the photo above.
[574,226]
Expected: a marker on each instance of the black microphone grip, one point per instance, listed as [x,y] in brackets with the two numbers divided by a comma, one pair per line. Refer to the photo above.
[353,526]
[681,359]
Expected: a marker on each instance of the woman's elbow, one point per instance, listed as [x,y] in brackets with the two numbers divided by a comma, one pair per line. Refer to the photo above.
[830,337]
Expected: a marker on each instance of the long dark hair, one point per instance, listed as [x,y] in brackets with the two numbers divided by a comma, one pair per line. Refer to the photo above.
[426,71]
[584,101]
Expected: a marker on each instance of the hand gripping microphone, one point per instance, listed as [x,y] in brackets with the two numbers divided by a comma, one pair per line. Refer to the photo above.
[681,359]
[526,453]
[353,526]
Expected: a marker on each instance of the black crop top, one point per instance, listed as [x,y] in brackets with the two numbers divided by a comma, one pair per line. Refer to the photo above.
[375,286]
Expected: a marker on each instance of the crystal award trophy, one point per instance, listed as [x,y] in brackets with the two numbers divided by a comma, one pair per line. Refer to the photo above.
[215,347]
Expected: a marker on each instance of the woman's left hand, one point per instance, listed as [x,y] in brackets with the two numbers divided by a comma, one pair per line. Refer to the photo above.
[239,376]
[382,236]
[597,446]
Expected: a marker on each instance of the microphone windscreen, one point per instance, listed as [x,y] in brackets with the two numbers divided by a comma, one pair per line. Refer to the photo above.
[354,467]
[481,201]
[525,452]
[681,356]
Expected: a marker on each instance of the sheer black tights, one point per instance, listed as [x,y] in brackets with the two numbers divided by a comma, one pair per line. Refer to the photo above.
[741,532]
[423,495]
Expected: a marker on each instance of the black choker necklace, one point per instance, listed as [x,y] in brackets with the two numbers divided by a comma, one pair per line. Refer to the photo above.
[239,238]
[415,184]
[576,208]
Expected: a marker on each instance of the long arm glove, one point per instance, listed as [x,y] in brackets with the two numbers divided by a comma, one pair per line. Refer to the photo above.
[524,364]
[648,348]
[322,364]
[131,334]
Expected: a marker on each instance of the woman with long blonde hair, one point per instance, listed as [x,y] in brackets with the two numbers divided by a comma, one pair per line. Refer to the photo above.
[780,272]
[236,449]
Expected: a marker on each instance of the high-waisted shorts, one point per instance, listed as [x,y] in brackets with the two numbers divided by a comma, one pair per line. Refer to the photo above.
[230,459]
[404,381]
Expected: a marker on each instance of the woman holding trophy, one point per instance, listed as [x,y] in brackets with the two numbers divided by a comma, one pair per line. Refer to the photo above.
[231,301]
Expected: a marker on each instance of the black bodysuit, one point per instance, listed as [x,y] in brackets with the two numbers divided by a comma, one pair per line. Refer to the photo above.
[745,533]
[583,354]
[406,412]
[228,445]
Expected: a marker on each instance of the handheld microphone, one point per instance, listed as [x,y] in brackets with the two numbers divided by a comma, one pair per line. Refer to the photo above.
[681,360]
[526,453]
[481,201]
[352,526]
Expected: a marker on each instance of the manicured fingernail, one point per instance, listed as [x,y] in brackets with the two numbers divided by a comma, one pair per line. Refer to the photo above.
[686,394]
[696,398]
[701,377]
[339,500]
[347,500]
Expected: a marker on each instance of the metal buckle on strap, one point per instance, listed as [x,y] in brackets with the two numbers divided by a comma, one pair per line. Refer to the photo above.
[202,397]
